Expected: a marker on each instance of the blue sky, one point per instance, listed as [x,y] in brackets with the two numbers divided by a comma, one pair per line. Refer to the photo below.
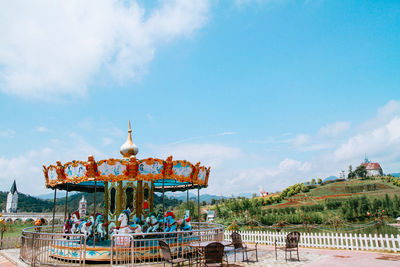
[267,93]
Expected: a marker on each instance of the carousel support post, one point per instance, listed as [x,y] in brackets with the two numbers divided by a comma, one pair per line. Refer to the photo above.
[187,197]
[94,214]
[163,204]
[198,203]
[66,204]
[54,209]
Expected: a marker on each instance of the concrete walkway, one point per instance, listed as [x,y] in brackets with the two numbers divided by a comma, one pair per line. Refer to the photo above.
[308,258]
[5,262]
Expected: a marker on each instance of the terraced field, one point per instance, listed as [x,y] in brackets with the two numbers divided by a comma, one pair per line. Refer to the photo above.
[340,190]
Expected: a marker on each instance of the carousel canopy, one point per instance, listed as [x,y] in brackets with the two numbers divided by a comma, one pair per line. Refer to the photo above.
[173,175]
[177,175]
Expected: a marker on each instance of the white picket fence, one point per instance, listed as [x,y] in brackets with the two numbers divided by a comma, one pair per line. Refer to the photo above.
[326,240]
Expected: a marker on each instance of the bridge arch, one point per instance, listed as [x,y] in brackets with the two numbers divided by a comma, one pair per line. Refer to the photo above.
[29,220]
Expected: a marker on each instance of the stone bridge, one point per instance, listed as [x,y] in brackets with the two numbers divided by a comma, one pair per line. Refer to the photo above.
[27,216]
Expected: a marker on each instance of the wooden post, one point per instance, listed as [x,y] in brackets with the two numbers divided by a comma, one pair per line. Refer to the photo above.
[2,232]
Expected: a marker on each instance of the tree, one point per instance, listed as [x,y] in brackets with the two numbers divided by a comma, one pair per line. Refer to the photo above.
[364,206]
[234,226]
[319,181]
[304,188]
[213,201]
[336,222]
[313,182]
[3,228]
[351,174]
[361,171]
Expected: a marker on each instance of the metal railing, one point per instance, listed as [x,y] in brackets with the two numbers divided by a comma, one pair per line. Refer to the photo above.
[143,248]
[47,245]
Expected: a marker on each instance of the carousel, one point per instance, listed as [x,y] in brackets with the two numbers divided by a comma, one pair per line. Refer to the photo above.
[129,185]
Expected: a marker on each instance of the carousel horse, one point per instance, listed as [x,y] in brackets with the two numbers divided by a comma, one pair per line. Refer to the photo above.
[126,227]
[100,226]
[75,218]
[86,227]
[67,226]
[152,223]
[170,222]
[184,224]
[81,226]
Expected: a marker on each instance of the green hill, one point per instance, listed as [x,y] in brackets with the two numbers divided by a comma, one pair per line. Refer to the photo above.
[27,203]
[354,204]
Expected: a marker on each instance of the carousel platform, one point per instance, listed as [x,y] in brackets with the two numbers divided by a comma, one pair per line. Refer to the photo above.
[143,249]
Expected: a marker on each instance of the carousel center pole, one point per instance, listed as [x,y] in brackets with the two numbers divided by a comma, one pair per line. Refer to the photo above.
[94,214]
[54,209]
[66,204]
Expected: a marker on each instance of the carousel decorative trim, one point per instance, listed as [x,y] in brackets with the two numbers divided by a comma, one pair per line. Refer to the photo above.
[116,170]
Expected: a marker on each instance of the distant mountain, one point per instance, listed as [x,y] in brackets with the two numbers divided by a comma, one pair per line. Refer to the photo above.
[27,203]
[182,197]
[397,174]
[60,194]
[330,178]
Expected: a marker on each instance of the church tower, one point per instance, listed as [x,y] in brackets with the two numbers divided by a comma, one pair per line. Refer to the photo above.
[82,207]
[12,199]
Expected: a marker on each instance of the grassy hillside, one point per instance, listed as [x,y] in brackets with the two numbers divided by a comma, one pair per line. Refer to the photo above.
[372,188]
[28,203]
[354,204]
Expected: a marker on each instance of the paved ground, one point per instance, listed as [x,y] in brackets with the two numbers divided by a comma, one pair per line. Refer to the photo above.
[308,258]
[5,263]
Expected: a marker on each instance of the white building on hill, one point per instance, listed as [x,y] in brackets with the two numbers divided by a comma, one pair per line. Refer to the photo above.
[373,168]
[12,199]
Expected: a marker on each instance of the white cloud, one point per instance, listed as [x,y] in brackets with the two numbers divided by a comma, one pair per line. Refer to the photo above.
[383,116]
[335,129]
[384,139]
[241,3]
[51,48]
[291,164]
[41,129]
[203,137]
[26,168]
[301,140]
[107,141]
[7,133]
[208,154]
[149,117]
[272,178]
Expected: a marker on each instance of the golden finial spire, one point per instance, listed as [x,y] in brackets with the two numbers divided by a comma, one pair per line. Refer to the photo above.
[129,148]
